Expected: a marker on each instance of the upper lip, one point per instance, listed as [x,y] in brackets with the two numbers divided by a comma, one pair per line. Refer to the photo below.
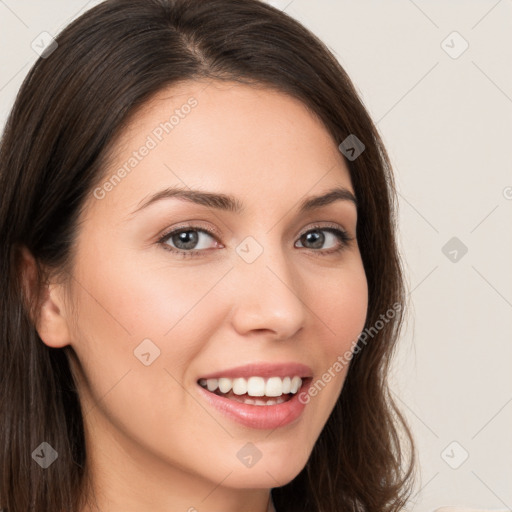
[289,369]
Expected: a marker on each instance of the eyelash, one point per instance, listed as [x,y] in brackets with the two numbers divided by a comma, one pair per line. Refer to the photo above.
[341,234]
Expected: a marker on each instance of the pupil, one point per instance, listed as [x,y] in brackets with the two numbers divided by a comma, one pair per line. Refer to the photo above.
[317,238]
[187,238]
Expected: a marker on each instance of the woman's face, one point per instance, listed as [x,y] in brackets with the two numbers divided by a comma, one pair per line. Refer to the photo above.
[271,285]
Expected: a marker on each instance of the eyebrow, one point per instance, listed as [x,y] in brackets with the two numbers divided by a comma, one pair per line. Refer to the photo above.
[230,203]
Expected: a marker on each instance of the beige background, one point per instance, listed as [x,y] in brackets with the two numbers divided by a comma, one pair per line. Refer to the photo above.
[447,122]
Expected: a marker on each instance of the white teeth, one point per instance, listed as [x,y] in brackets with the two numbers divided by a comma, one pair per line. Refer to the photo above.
[212,384]
[255,386]
[225,385]
[274,387]
[296,384]
[239,386]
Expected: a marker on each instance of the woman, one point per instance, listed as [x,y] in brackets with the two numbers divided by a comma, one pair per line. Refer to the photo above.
[202,289]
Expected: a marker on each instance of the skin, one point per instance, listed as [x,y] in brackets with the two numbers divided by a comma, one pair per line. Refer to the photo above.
[153,443]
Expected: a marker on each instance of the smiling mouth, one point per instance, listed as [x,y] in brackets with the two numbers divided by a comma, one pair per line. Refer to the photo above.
[255,390]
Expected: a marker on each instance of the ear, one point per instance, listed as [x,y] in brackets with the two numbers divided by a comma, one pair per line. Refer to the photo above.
[49,315]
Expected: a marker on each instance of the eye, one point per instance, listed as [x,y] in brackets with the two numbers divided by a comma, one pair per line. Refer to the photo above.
[315,239]
[190,241]
[185,241]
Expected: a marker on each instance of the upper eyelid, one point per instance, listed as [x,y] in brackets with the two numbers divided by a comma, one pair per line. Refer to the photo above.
[214,233]
[192,227]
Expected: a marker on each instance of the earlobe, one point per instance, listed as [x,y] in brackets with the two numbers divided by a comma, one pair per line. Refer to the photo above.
[49,315]
[52,326]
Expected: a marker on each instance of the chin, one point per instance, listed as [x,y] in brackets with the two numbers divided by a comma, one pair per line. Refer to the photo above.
[266,474]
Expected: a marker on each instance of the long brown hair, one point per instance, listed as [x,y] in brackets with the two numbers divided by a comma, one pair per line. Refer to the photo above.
[74,102]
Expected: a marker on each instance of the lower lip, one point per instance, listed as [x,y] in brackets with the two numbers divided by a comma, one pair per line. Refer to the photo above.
[259,416]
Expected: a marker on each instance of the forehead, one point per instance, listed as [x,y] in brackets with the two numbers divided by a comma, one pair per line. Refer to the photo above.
[249,139]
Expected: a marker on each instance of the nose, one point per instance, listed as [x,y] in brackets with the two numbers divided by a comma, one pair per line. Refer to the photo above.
[268,296]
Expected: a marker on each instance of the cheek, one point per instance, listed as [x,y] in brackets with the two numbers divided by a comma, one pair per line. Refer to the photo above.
[341,303]
[123,302]
[351,311]
[137,297]
[338,301]
[123,305]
